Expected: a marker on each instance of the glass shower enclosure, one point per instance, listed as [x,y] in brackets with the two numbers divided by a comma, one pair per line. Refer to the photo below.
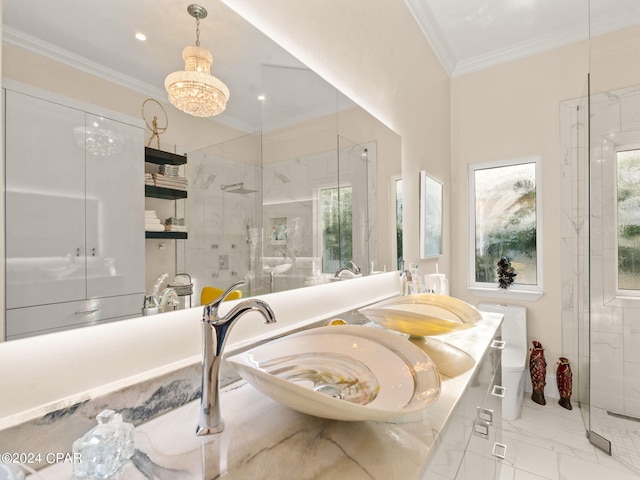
[601,232]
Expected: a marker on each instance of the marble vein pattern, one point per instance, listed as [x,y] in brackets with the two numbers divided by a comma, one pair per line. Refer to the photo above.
[263,439]
[138,404]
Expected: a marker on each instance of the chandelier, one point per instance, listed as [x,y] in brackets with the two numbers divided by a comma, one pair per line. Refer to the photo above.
[194,90]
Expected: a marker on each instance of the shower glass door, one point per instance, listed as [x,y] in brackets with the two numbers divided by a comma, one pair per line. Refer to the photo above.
[614,226]
[223,216]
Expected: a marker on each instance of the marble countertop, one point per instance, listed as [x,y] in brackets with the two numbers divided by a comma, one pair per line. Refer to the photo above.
[265,440]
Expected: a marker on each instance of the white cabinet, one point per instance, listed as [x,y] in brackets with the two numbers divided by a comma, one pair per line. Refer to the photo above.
[115,210]
[484,402]
[74,209]
[470,446]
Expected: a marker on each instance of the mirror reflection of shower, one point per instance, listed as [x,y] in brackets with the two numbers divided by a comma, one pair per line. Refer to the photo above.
[237,188]
[223,209]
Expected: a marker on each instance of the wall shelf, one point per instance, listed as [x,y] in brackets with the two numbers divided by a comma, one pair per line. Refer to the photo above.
[167,235]
[159,157]
[164,193]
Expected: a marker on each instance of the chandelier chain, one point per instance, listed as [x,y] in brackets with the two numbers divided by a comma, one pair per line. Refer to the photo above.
[197,31]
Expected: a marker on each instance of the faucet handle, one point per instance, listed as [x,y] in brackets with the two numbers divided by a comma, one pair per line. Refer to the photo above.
[231,288]
[356,267]
[211,310]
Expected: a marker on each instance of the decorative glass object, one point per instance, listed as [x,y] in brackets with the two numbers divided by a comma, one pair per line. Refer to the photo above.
[105,448]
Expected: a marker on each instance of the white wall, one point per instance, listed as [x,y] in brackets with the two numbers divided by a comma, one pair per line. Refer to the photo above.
[507,112]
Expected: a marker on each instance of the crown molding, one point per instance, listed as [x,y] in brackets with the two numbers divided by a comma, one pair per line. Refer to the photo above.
[53,52]
[594,28]
[428,23]
[431,30]
[521,50]
[613,23]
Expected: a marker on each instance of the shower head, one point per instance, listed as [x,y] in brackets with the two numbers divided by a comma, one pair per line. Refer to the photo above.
[236,188]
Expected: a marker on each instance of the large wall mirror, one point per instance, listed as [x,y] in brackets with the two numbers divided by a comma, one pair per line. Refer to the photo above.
[286,186]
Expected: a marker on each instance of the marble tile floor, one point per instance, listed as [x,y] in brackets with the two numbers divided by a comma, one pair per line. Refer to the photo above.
[624,434]
[549,443]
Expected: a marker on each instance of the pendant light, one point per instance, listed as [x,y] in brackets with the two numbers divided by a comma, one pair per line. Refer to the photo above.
[194,90]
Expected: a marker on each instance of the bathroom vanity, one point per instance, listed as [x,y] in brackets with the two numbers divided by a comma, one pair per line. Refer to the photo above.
[455,438]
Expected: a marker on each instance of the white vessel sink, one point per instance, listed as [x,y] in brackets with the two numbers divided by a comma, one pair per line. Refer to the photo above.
[423,314]
[343,372]
[278,269]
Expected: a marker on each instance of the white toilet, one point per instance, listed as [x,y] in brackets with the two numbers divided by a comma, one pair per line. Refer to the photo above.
[514,356]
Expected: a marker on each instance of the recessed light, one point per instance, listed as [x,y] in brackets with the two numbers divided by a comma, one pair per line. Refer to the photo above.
[261,97]
[141,36]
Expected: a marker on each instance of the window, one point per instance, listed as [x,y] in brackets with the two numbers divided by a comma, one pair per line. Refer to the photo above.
[628,218]
[336,227]
[505,222]
[398,205]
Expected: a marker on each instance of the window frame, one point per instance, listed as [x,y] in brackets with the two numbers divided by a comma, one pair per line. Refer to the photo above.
[396,180]
[529,292]
[621,292]
[319,216]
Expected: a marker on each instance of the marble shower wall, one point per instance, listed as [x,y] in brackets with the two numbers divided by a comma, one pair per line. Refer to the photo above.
[221,248]
[615,320]
[226,242]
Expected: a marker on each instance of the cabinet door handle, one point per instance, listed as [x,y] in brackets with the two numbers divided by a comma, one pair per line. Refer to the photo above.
[481,429]
[498,391]
[485,415]
[499,450]
[87,312]
[498,344]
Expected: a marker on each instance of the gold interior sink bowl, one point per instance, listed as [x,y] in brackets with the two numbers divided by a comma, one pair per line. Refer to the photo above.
[423,314]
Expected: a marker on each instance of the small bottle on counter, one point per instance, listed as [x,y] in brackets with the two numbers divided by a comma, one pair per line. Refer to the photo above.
[104,448]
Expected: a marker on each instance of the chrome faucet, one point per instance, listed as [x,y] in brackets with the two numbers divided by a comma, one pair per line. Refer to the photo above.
[215,330]
[156,301]
[407,281]
[352,267]
[169,296]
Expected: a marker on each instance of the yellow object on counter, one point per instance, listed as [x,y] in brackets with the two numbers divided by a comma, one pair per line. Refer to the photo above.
[209,294]
[336,321]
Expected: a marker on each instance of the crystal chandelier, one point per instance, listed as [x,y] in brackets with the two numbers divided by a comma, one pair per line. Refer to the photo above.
[194,90]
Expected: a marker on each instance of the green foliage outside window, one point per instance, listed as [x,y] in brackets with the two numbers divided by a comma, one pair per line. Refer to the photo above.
[628,168]
[506,222]
[337,230]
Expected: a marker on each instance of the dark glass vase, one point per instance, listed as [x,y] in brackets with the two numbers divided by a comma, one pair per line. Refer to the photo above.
[564,378]
[538,369]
